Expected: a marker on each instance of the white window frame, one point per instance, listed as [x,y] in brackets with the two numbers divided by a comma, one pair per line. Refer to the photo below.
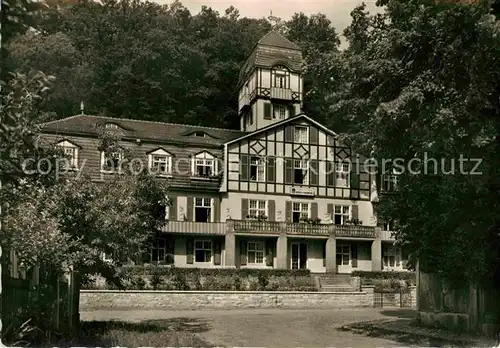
[342,213]
[299,207]
[342,174]
[67,145]
[103,161]
[302,164]
[280,77]
[160,153]
[208,160]
[257,249]
[258,209]
[111,126]
[342,253]
[259,163]
[390,182]
[204,248]
[157,247]
[204,200]
[279,111]
[393,251]
[301,134]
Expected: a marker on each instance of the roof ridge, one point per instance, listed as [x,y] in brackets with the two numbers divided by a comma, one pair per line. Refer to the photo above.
[145,121]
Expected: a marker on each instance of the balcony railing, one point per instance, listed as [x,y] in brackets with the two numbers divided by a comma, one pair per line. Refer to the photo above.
[195,227]
[355,231]
[256,226]
[386,235]
[281,93]
[308,229]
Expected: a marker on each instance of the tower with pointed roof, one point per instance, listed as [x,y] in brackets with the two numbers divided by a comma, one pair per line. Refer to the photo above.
[270,83]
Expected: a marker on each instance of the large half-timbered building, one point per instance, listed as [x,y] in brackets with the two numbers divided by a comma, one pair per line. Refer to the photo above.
[281,192]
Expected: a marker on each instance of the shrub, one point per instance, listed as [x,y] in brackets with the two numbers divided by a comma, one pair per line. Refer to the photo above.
[263,281]
[410,277]
[180,282]
[156,281]
[236,283]
[138,283]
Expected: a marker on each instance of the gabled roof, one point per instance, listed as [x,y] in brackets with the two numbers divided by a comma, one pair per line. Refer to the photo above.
[277,40]
[285,121]
[139,129]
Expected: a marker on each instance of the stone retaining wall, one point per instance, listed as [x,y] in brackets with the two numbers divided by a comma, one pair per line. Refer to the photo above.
[144,299]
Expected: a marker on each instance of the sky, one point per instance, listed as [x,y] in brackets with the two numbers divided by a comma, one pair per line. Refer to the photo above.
[338,11]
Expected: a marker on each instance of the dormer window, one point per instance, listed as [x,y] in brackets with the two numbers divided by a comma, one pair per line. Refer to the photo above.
[111,126]
[204,165]
[200,134]
[111,161]
[70,152]
[160,162]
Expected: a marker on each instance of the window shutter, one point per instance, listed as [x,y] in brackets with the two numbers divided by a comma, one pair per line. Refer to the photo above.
[288,211]
[329,210]
[244,208]
[330,174]
[244,168]
[271,210]
[172,210]
[189,251]
[313,135]
[271,169]
[270,253]
[190,209]
[291,110]
[314,172]
[324,254]
[354,212]
[289,134]
[288,171]
[217,252]
[243,253]
[314,210]
[267,111]
[354,255]
[216,201]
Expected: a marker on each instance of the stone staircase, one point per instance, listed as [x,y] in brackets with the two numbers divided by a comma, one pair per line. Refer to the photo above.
[335,283]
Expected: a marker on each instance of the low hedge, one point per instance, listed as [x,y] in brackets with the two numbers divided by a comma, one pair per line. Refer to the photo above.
[166,278]
[242,272]
[407,276]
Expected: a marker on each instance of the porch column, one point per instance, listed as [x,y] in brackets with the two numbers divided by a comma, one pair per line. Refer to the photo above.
[282,251]
[377,251]
[331,252]
[230,246]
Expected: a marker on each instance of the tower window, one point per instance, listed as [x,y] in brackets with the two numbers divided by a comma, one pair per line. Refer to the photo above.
[279,112]
[280,77]
[280,81]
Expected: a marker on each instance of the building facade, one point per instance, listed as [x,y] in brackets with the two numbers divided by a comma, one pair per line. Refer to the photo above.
[281,192]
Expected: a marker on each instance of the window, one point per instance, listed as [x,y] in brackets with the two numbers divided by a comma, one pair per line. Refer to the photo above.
[255,252]
[301,172]
[300,211]
[256,208]
[203,251]
[204,165]
[162,251]
[390,182]
[279,111]
[342,174]
[203,209]
[70,151]
[111,161]
[343,255]
[160,162]
[110,126]
[280,80]
[300,134]
[392,256]
[341,214]
[257,169]
[199,134]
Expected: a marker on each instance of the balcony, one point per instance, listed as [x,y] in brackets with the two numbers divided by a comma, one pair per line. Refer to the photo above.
[307,229]
[195,227]
[386,235]
[354,231]
[255,226]
[281,93]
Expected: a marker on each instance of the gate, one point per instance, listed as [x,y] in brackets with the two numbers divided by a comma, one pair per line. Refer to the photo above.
[402,299]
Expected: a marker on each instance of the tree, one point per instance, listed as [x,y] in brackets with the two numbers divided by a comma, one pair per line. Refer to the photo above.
[420,81]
